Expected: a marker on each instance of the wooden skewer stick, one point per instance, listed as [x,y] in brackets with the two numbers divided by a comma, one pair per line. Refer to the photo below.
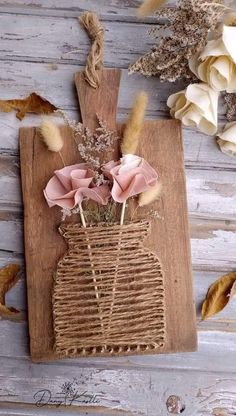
[81,211]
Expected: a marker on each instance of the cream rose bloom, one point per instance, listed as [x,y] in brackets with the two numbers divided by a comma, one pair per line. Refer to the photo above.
[196,107]
[216,65]
[227,139]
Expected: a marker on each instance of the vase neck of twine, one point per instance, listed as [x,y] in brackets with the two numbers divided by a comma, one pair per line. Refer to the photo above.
[95,30]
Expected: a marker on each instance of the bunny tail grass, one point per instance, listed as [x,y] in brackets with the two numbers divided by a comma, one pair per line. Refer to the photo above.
[51,136]
[149,7]
[148,197]
[134,125]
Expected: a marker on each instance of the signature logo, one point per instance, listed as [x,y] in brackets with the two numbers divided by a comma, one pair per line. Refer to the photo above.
[67,395]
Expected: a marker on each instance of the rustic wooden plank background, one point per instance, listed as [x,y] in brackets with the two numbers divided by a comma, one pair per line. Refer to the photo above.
[41,47]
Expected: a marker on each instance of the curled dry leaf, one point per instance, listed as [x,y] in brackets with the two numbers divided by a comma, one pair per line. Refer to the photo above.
[218,295]
[233,291]
[34,103]
[9,275]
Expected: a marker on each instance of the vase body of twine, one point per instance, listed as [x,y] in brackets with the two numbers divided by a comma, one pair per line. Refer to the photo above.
[108,295]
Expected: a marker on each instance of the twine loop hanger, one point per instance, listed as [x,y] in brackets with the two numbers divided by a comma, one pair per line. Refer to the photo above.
[95,30]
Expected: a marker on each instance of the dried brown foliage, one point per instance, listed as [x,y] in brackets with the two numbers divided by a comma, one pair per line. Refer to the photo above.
[230,100]
[188,28]
[34,103]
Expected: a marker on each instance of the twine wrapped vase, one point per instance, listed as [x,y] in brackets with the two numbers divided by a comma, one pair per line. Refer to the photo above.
[108,296]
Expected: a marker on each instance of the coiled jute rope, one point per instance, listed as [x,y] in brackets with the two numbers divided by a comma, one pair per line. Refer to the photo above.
[83,322]
[95,31]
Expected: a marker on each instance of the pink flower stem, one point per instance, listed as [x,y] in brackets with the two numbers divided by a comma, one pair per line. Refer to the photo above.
[122,217]
[62,159]
[81,211]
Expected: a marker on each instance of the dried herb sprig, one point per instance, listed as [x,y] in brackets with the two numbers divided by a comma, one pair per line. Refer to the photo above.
[188,28]
[230,100]
[92,145]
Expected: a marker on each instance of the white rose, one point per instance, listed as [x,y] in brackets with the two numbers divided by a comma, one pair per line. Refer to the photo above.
[196,107]
[227,139]
[216,65]
[129,162]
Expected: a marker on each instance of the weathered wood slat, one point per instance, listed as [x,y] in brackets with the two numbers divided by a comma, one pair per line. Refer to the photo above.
[37,39]
[210,194]
[16,297]
[131,390]
[213,243]
[211,246]
[17,80]
[115,10]
[211,354]
[200,151]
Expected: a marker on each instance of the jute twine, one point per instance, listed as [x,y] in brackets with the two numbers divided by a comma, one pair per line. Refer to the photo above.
[102,319]
[94,62]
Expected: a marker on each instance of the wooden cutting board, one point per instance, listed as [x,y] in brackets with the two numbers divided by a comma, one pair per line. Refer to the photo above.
[161,146]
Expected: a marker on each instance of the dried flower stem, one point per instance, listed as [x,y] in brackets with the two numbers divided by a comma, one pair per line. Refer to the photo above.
[122,217]
[81,211]
[62,159]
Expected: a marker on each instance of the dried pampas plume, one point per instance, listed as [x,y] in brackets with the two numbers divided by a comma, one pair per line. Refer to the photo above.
[134,125]
[51,136]
[150,196]
[149,7]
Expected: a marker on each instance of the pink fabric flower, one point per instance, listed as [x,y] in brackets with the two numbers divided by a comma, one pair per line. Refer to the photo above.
[71,184]
[131,176]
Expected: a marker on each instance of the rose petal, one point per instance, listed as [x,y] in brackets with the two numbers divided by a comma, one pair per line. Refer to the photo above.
[130,182]
[129,162]
[64,174]
[99,194]
[214,48]
[228,36]
[229,132]
[196,106]
[71,184]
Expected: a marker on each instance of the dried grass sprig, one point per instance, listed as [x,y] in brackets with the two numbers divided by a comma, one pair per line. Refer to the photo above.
[134,125]
[52,138]
[188,27]
[51,135]
[149,7]
[150,196]
[92,145]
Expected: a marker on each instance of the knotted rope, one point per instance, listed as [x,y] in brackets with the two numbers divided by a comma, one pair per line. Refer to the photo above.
[95,31]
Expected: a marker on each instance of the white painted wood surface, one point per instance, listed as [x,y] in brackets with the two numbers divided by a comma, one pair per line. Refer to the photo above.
[41,46]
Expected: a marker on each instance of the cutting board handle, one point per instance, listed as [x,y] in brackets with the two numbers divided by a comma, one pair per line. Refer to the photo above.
[101,101]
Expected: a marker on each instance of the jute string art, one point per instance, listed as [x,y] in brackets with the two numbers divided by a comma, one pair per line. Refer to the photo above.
[130,319]
[94,62]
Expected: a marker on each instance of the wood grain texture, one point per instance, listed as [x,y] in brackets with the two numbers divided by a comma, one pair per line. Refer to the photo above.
[43,244]
[213,229]
[169,237]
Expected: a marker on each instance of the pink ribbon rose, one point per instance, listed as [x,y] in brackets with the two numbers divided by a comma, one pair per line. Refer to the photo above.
[71,184]
[131,176]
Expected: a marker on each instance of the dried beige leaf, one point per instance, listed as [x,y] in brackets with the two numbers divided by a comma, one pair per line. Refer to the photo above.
[218,295]
[233,291]
[34,103]
[9,275]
